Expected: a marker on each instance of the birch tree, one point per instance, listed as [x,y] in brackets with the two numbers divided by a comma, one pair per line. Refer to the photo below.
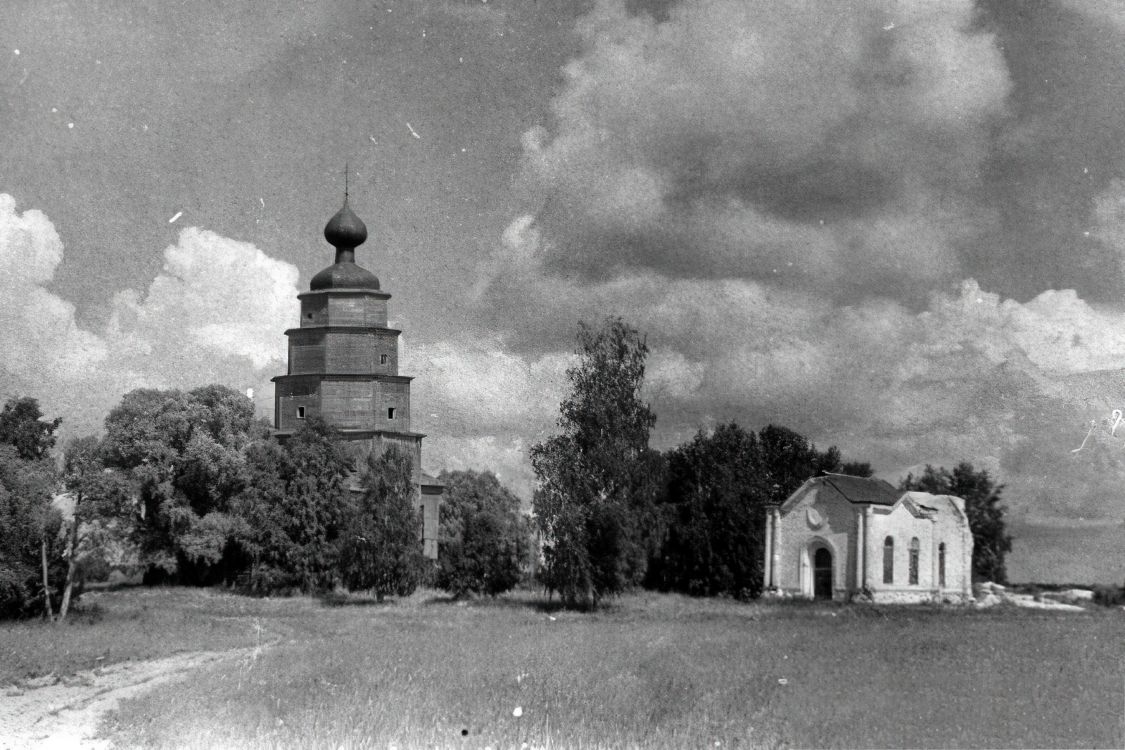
[589,505]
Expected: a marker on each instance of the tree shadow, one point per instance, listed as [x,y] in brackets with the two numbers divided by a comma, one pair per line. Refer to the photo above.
[337,599]
[517,600]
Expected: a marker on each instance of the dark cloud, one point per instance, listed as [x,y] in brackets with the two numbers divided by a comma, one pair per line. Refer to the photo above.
[1063,146]
[731,138]
[790,201]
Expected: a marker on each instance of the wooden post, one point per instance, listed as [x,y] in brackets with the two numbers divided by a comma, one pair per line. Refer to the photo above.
[72,564]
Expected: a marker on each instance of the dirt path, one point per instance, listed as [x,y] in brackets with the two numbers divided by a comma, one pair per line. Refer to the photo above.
[64,713]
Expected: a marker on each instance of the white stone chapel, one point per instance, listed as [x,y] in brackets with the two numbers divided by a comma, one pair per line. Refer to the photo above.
[838,536]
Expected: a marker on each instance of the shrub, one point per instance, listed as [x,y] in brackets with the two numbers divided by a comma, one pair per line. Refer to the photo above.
[291,512]
[380,547]
[93,567]
[1109,596]
[485,541]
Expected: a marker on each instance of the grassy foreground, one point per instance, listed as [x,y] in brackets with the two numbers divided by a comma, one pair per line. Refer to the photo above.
[648,671]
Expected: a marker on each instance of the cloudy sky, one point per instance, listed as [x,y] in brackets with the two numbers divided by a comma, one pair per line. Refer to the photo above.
[897,227]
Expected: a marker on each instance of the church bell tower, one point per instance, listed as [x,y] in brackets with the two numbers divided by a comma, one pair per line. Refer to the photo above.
[343,366]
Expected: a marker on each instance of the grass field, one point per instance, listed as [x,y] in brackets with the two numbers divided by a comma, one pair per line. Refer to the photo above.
[648,671]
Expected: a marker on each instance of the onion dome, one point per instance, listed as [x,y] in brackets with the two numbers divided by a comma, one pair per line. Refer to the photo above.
[345,231]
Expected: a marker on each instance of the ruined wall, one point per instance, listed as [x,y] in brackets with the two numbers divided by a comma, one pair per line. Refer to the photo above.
[902,526]
[952,528]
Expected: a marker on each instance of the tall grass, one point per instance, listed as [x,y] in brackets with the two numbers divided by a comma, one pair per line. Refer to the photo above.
[651,671]
[131,624]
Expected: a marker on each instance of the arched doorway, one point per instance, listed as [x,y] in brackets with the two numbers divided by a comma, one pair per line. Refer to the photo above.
[822,573]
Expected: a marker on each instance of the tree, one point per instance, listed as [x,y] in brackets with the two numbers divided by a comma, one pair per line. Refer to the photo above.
[27,480]
[293,507]
[184,453]
[29,528]
[485,540]
[101,498]
[716,499]
[381,546]
[982,506]
[713,509]
[23,427]
[788,459]
[586,505]
[856,469]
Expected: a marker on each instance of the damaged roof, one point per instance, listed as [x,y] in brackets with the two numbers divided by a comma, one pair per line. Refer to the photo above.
[862,489]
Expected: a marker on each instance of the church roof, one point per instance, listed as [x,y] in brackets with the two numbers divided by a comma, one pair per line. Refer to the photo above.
[863,489]
[344,275]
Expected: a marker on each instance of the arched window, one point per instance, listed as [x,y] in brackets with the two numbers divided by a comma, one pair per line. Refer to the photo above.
[914,547]
[889,560]
[941,564]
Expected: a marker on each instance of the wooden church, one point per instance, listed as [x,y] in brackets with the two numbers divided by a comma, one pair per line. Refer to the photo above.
[343,367]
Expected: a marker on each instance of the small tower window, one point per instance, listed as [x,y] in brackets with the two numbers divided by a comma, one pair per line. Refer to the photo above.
[390,412]
[889,560]
[308,315]
[300,412]
[914,547]
[382,359]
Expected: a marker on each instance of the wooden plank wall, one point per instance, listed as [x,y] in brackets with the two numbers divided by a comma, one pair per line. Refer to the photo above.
[357,311]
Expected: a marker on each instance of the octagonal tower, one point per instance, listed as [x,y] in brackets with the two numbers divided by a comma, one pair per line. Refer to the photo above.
[343,366]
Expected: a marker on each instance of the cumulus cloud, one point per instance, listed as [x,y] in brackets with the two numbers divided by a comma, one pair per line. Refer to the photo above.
[784,198]
[505,455]
[754,140]
[473,388]
[218,294]
[1010,386]
[38,333]
[214,315]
